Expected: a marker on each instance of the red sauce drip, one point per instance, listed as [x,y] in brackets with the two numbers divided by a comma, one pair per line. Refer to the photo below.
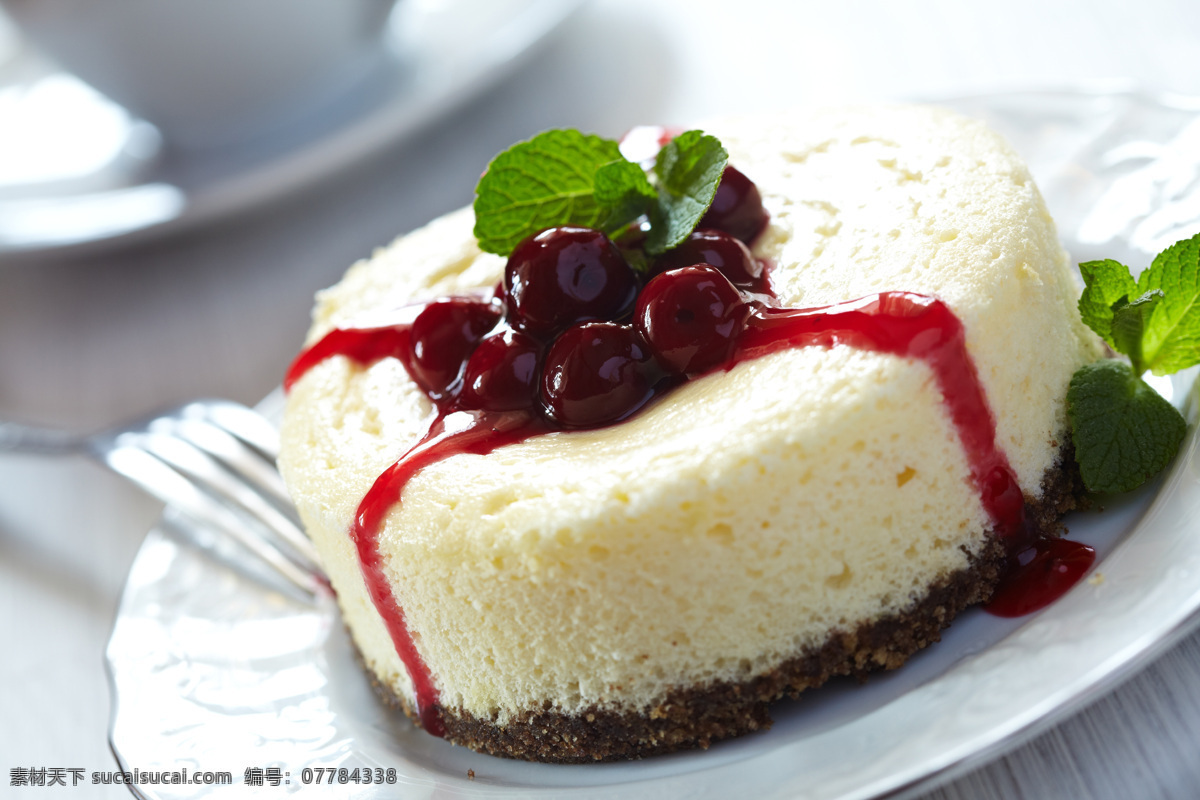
[450,434]
[1041,573]
[898,323]
[363,345]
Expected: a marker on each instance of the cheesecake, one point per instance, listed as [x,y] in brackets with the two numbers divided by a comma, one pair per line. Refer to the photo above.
[816,489]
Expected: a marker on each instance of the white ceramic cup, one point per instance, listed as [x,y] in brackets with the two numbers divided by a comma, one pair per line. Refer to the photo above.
[208,72]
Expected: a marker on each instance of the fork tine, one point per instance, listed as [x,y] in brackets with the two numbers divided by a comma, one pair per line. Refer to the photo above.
[242,422]
[164,482]
[245,443]
[210,474]
[235,455]
[30,440]
[220,547]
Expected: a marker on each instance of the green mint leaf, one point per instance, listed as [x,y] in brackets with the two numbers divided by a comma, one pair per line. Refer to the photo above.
[688,169]
[623,188]
[546,181]
[1172,338]
[1124,431]
[1129,324]
[1107,282]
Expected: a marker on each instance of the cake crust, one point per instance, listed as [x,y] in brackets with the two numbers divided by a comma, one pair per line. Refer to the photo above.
[697,716]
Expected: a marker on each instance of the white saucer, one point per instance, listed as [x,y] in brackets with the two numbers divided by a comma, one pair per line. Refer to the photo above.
[437,55]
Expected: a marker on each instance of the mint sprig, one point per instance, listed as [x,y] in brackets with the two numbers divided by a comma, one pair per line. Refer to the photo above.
[1124,432]
[689,168]
[549,180]
[564,177]
[624,189]
[1170,338]
[1106,283]
[1129,323]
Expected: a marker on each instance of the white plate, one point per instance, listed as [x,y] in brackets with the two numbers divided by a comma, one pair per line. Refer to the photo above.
[211,671]
[127,184]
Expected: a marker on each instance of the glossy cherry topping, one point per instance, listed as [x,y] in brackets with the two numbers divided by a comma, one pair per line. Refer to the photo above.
[717,249]
[502,373]
[737,207]
[443,336]
[691,318]
[566,275]
[597,373]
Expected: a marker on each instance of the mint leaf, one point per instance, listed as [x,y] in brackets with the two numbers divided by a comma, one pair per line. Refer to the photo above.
[1124,431]
[623,188]
[564,177]
[546,181]
[1172,338]
[688,169]
[1129,324]
[1107,282]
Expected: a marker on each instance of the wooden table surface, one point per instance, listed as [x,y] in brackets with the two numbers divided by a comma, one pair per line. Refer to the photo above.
[97,336]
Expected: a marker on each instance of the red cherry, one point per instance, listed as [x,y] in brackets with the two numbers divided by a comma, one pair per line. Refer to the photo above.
[597,373]
[691,318]
[443,336]
[502,373]
[566,275]
[737,207]
[717,249]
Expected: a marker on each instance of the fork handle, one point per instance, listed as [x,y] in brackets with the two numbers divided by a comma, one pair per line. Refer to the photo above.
[28,440]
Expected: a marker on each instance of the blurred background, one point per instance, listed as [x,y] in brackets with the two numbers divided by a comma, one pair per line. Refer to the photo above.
[141,267]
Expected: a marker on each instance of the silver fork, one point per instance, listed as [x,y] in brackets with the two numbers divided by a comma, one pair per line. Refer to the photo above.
[211,460]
